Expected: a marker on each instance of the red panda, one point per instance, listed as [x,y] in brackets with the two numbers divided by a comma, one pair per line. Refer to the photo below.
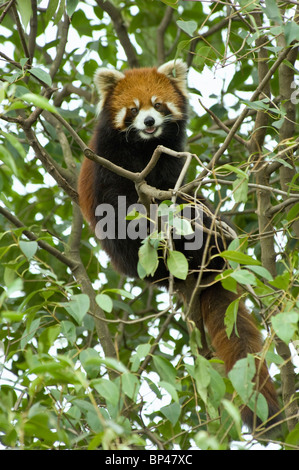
[139,110]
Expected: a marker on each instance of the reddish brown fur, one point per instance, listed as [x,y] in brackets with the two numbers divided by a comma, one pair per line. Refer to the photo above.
[143,84]
[86,192]
[214,302]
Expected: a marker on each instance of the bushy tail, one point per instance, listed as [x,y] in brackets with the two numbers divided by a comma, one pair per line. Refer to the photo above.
[214,301]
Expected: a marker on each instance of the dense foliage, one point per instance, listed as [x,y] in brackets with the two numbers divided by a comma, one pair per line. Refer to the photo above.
[90,359]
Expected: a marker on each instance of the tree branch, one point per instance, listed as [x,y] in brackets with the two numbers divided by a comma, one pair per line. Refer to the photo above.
[62,34]
[33,31]
[166,20]
[6,9]
[61,176]
[121,31]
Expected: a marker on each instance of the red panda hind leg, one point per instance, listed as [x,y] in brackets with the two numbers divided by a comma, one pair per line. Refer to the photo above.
[214,301]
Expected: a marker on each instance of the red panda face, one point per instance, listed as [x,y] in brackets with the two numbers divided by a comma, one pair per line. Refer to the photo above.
[144,100]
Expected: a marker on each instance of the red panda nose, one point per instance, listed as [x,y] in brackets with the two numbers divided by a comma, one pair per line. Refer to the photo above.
[149,121]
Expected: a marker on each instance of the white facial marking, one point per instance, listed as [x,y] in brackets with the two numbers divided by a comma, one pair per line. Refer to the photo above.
[174,110]
[153,99]
[144,113]
[136,101]
[120,116]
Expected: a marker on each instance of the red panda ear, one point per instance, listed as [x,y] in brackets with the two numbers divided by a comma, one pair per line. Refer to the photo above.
[106,79]
[176,70]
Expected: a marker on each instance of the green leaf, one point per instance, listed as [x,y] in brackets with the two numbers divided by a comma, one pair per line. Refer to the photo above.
[12,316]
[272,11]
[227,281]
[293,212]
[90,362]
[148,258]
[24,7]
[240,189]
[217,387]
[50,11]
[41,75]
[170,389]
[234,413]
[77,307]
[234,169]
[260,406]
[182,226]
[39,101]
[293,439]
[165,369]
[68,330]
[60,12]
[171,3]
[244,277]
[205,441]
[201,57]
[238,257]
[285,324]
[177,264]
[30,332]
[181,46]
[187,26]
[261,271]
[291,31]
[172,412]
[230,318]
[248,5]
[241,376]
[260,105]
[202,377]
[113,364]
[29,248]
[15,286]
[47,338]
[130,385]
[121,292]
[281,281]
[71,6]
[15,142]
[143,350]
[107,389]
[105,302]
[38,426]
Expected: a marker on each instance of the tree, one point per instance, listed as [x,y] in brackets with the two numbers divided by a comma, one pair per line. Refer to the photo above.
[91,359]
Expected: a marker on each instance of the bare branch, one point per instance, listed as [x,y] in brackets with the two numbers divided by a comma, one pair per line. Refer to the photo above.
[62,35]
[6,9]
[166,20]
[33,30]
[61,176]
[222,125]
[121,31]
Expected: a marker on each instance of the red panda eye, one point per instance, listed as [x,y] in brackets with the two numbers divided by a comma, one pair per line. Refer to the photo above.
[134,111]
[157,105]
